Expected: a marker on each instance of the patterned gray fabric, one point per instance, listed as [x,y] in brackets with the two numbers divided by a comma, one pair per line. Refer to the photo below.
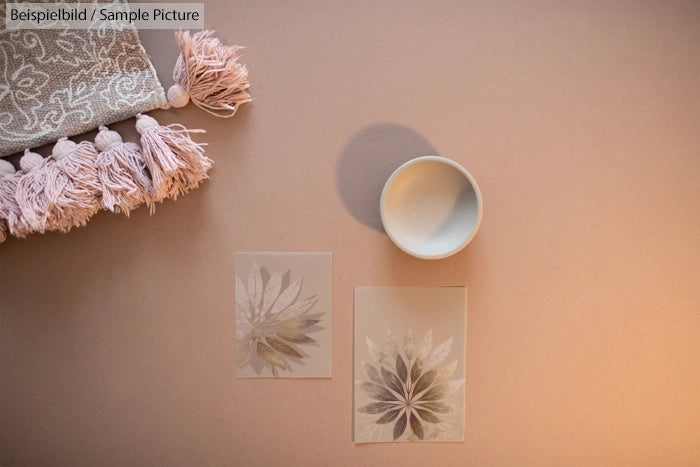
[56,83]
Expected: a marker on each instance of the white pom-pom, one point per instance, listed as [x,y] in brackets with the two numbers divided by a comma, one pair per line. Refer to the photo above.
[6,168]
[177,96]
[30,160]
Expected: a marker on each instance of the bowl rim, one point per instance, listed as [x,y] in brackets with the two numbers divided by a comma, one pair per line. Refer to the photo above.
[472,182]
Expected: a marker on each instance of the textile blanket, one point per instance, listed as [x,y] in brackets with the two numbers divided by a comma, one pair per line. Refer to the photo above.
[56,83]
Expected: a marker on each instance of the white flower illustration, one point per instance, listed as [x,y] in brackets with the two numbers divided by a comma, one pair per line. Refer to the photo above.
[272,323]
[410,387]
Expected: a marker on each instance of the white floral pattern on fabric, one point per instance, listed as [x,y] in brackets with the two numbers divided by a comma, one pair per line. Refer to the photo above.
[56,83]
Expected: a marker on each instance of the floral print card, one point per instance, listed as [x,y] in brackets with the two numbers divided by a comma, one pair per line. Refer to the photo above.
[283,314]
[409,364]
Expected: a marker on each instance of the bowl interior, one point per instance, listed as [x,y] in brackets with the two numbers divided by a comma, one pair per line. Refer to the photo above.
[430,207]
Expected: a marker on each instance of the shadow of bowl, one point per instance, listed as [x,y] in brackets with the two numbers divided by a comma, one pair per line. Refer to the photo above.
[366,162]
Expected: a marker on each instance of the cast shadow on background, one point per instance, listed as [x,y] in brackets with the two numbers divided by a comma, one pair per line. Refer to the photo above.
[368,159]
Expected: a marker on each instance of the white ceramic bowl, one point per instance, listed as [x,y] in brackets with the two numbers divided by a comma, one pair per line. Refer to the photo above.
[431,207]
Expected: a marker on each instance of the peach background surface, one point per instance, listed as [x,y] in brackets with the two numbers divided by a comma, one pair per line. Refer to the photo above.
[578,119]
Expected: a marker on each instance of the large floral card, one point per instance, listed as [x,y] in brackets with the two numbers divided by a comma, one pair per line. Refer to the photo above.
[409,364]
[283,314]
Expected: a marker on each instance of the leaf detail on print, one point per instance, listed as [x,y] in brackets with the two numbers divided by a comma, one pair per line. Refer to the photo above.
[424,381]
[388,417]
[242,351]
[298,323]
[416,370]
[295,338]
[440,353]
[374,350]
[287,297]
[369,431]
[376,407]
[401,368]
[372,373]
[272,290]
[255,285]
[437,407]
[446,372]
[391,381]
[270,322]
[378,392]
[407,394]
[440,391]
[409,345]
[241,294]
[243,328]
[390,344]
[400,426]
[417,427]
[435,393]
[426,345]
[269,355]
[453,386]
[427,415]
[283,348]
[297,308]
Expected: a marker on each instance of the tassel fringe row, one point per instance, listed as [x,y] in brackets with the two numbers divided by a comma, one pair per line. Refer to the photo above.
[66,189]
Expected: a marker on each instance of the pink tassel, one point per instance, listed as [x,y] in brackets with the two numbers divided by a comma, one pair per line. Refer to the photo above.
[38,190]
[7,202]
[176,163]
[208,73]
[18,224]
[121,170]
[78,198]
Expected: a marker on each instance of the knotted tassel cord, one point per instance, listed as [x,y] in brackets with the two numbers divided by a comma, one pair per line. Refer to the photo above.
[122,172]
[208,73]
[176,163]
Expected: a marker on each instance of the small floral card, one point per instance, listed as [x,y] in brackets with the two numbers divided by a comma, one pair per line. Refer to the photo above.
[409,364]
[283,314]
